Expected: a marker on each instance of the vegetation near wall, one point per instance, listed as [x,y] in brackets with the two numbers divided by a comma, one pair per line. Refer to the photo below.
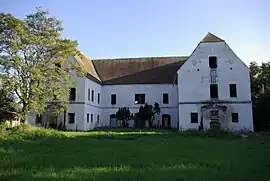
[260,91]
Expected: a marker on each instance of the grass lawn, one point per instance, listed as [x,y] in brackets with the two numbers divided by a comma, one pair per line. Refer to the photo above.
[47,155]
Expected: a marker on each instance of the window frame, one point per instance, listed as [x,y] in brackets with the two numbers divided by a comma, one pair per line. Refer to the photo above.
[89,94]
[98,101]
[72,94]
[165,98]
[97,118]
[92,118]
[139,98]
[113,99]
[212,60]
[192,118]
[87,117]
[212,93]
[233,90]
[69,116]
[235,115]
[92,95]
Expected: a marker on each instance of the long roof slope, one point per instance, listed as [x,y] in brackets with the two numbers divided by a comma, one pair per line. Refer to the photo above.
[144,70]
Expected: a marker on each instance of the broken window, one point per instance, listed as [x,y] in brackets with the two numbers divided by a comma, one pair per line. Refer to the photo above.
[213,90]
[233,91]
[213,62]
[72,94]
[113,98]
[165,98]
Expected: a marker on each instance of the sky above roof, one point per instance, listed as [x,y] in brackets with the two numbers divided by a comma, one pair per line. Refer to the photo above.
[140,28]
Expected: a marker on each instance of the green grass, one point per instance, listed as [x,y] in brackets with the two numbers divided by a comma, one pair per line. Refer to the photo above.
[46,155]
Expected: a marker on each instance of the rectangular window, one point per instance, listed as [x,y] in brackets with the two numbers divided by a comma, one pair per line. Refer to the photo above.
[92,96]
[72,94]
[98,98]
[97,119]
[165,98]
[194,117]
[235,118]
[214,91]
[213,62]
[233,91]
[38,119]
[139,98]
[91,118]
[113,98]
[87,119]
[71,118]
[89,94]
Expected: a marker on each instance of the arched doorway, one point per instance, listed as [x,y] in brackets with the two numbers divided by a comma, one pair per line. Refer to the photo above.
[113,121]
[166,121]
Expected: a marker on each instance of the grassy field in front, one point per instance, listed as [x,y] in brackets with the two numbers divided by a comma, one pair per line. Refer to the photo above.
[47,155]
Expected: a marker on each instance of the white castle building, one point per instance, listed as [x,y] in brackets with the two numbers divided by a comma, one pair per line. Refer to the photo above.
[212,84]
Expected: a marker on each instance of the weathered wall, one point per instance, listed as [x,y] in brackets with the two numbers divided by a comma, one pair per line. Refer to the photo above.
[194,82]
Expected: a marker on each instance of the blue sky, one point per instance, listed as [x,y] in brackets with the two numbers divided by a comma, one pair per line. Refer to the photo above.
[140,28]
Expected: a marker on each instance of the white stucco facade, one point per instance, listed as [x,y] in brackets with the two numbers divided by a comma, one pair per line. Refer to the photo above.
[194,79]
[188,95]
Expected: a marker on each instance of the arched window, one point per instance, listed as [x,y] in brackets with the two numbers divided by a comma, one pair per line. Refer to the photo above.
[166,121]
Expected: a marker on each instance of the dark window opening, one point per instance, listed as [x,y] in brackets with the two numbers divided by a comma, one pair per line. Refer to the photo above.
[92,95]
[165,98]
[71,118]
[139,98]
[87,119]
[91,118]
[113,98]
[72,94]
[97,119]
[235,118]
[213,62]
[89,94]
[38,119]
[214,91]
[98,98]
[233,91]
[194,117]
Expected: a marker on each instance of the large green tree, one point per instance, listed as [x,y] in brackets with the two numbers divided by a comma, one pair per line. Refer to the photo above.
[35,62]
[260,91]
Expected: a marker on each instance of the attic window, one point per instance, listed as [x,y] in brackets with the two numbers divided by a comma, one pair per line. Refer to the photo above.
[213,62]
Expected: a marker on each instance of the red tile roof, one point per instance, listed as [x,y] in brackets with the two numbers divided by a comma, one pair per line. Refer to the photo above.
[211,38]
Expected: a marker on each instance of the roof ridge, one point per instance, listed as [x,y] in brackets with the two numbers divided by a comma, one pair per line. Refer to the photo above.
[129,58]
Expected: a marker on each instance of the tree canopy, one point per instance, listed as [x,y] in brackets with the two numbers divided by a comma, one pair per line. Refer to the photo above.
[124,115]
[35,61]
[147,113]
[260,91]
